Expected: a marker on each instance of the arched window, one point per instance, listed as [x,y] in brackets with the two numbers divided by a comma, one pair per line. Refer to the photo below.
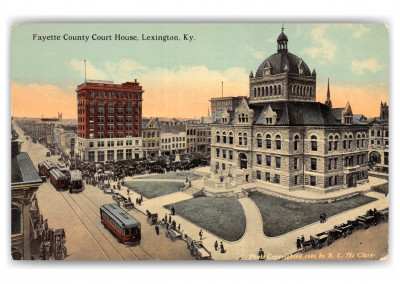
[240,138]
[330,143]
[268,141]
[259,140]
[230,138]
[218,137]
[350,141]
[296,141]
[314,143]
[153,134]
[270,91]
[245,139]
[16,220]
[278,142]
[194,131]
[266,91]
[345,142]
[247,118]
[364,140]
[224,137]
[279,90]
[262,91]
[148,135]
[275,92]
[255,92]
[336,142]
[358,140]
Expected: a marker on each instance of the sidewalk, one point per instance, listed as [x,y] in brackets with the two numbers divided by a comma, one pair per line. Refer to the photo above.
[253,238]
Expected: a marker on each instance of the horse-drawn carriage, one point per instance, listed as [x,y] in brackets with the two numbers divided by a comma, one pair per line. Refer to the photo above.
[320,239]
[383,215]
[344,229]
[197,249]
[152,218]
[128,205]
[173,234]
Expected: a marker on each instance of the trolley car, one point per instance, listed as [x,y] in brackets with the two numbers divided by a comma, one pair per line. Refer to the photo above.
[76,184]
[58,179]
[46,167]
[120,223]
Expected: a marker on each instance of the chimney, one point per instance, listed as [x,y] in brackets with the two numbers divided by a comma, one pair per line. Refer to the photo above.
[15,148]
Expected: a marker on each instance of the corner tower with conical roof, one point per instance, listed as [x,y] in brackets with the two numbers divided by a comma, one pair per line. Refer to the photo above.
[282,77]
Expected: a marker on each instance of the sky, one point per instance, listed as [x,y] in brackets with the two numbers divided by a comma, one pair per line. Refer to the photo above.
[179,77]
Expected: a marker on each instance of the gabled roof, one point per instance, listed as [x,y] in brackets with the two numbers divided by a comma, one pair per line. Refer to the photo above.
[146,122]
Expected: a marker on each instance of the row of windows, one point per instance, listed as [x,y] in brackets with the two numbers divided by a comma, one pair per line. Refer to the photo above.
[101,110]
[168,140]
[111,143]
[151,134]
[111,119]
[112,103]
[151,144]
[384,133]
[114,95]
[178,145]
[119,228]
[274,90]
[101,127]
[111,155]
[199,133]
[101,135]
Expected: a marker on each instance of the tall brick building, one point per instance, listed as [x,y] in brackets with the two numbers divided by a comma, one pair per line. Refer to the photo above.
[109,121]
[282,137]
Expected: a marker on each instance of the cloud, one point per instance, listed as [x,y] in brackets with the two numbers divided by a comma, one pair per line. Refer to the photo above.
[255,53]
[360,30]
[358,67]
[324,49]
[34,100]
[363,99]
[183,91]
[92,73]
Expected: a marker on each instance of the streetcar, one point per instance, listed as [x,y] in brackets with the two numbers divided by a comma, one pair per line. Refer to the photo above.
[121,224]
[46,167]
[75,184]
[58,179]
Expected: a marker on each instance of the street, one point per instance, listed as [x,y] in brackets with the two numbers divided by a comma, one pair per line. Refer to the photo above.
[78,214]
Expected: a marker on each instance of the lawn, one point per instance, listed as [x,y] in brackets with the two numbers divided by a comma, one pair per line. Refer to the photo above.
[383,188]
[152,189]
[223,216]
[171,175]
[281,216]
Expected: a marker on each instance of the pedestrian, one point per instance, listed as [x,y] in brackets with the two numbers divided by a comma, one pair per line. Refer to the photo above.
[222,247]
[141,199]
[127,191]
[298,242]
[321,218]
[324,217]
[201,234]
[166,226]
[137,201]
[173,210]
[157,230]
[216,245]
[46,225]
[302,240]
[261,254]
[173,224]
[179,227]
[169,220]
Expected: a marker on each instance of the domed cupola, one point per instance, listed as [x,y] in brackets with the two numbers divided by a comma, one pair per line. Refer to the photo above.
[282,42]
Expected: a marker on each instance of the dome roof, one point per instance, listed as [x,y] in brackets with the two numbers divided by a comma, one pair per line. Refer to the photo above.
[280,60]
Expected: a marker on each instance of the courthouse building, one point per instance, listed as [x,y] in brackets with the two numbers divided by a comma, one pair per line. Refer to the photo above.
[281,136]
[109,121]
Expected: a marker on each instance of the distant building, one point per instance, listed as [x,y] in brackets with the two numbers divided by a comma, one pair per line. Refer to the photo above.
[172,141]
[220,104]
[151,137]
[109,121]
[378,151]
[198,138]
